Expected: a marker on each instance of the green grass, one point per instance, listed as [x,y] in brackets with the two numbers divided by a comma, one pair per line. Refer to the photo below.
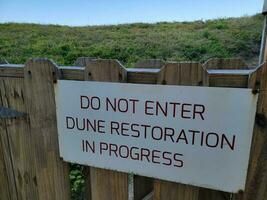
[177,41]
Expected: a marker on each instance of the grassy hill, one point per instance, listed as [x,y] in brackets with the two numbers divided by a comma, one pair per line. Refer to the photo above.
[177,41]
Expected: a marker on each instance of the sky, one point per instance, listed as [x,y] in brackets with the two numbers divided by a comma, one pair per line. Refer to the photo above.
[105,12]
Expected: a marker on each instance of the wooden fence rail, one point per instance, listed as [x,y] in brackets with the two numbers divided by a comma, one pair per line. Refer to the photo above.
[30,166]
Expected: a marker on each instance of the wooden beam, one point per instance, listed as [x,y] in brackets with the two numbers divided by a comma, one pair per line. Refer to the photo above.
[107,184]
[52,175]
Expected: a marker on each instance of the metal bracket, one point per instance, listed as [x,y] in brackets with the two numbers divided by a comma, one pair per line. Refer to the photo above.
[8,113]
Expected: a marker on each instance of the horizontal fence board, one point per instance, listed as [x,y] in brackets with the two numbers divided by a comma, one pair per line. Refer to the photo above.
[136,75]
[11,70]
[227,80]
[72,73]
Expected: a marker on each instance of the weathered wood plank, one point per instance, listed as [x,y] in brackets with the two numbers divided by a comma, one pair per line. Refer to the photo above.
[225,80]
[256,185]
[178,74]
[214,79]
[137,76]
[107,184]
[172,191]
[5,190]
[11,70]
[145,77]
[51,172]
[72,73]
[150,63]
[222,63]
[8,177]
[21,154]
[146,72]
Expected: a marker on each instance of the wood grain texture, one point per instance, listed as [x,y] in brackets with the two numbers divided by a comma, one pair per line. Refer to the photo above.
[7,189]
[142,77]
[256,185]
[143,186]
[19,140]
[150,63]
[233,81]
[188,74]
[178,74]
[52,177]
[106,184]
[181,74]
[7,177]
[222,80]
[173,191]
[222,63]
[11,70]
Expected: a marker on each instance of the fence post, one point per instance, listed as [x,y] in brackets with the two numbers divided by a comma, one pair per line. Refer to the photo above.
[107,184]
[144,185]
[52,176]
[256,185]
[178,74]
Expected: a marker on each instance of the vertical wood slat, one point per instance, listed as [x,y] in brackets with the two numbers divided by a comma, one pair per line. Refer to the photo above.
[5,190]
[18,140]
[256,185]
[144,185]
[107,184]
[82,62]
[51,172]
[213,81]
[178,74]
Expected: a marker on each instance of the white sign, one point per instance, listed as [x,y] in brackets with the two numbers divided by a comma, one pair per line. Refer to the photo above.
[193,135]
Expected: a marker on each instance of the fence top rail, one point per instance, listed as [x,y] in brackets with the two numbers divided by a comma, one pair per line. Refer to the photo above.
[231,71]
[19,67]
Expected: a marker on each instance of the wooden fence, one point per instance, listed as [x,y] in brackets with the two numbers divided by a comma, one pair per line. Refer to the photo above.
[30,166]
